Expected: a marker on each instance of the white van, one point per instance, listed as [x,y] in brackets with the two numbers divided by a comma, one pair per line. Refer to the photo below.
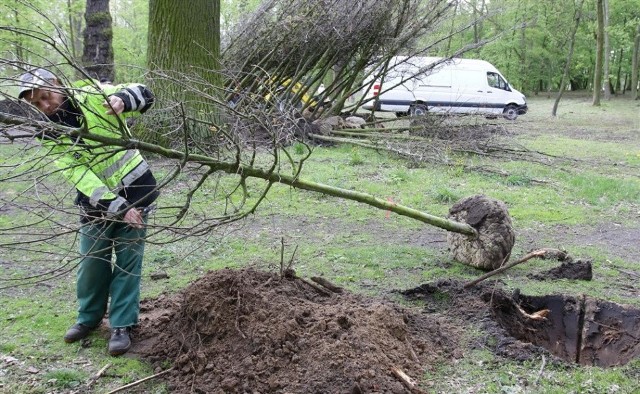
[415,85]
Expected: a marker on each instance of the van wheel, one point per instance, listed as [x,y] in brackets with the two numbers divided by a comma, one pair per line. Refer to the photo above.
[417,110]
[510,112]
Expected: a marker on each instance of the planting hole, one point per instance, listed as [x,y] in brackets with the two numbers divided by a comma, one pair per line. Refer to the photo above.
[582,330]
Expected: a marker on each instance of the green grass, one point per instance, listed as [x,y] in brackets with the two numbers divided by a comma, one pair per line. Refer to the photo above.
[65,378]
[480,372]
[364,249]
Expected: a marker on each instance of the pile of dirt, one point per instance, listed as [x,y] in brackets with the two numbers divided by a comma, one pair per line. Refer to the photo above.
[579,270]
[253,331]
[248,331]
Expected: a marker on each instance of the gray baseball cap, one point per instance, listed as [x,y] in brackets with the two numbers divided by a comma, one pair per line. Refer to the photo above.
[34,79]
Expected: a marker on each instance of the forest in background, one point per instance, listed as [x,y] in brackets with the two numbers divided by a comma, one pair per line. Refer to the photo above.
[528,40]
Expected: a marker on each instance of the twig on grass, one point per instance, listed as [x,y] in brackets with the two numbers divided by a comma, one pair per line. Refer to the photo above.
[137,382]
[630,273]
[97,376]
[544,362]
[529,256]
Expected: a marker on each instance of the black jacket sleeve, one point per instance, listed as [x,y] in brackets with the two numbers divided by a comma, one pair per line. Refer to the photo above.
[136,98]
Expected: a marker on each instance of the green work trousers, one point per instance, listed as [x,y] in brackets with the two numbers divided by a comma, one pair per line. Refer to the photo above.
[98,278]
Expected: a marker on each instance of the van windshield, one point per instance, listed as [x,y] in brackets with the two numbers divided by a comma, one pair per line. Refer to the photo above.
[496,81]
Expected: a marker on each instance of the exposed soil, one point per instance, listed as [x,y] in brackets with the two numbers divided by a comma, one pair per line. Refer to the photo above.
[579,270]
[237,331]
[577,329]
[252,331]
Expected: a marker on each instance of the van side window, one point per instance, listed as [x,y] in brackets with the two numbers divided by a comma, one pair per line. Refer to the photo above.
[495,81]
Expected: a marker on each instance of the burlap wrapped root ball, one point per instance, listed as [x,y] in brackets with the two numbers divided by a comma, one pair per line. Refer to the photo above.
[492,246]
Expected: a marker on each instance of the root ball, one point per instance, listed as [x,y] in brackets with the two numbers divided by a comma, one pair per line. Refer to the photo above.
[492,246]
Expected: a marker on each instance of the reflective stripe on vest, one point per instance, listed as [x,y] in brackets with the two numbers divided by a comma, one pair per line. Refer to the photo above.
[115,205]
[133,175]
[118,165]
[97,195]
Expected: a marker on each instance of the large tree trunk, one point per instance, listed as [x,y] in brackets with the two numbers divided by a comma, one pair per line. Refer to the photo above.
[97,56]
[634,65]
[597,74]
[567,66]
[607,52]
[184,45]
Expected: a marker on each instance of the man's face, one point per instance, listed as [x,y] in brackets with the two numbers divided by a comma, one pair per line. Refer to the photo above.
[47,100]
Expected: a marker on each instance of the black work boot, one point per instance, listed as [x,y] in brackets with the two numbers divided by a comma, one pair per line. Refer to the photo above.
[77,332]
[120,341]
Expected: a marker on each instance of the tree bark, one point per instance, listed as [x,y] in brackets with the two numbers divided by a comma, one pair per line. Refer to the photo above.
[478,14]
[597,74]
[184,45]
[451,29]
[18,41]
[607,52]
[97,56]
[619,86]
[634,64]
[567,66]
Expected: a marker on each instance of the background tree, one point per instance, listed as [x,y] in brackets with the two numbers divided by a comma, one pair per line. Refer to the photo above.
[183,54]
[567,66]
[606,66]
[74,12]
[97,55]
[634,64]
[130,25]
[597,73]
[231,13]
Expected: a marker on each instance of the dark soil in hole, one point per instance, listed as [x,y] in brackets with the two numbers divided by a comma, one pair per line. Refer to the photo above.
[586,330]
[582,330]
[236,331]
[470,308]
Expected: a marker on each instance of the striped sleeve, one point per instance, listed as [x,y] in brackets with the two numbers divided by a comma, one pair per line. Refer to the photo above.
[136,98]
